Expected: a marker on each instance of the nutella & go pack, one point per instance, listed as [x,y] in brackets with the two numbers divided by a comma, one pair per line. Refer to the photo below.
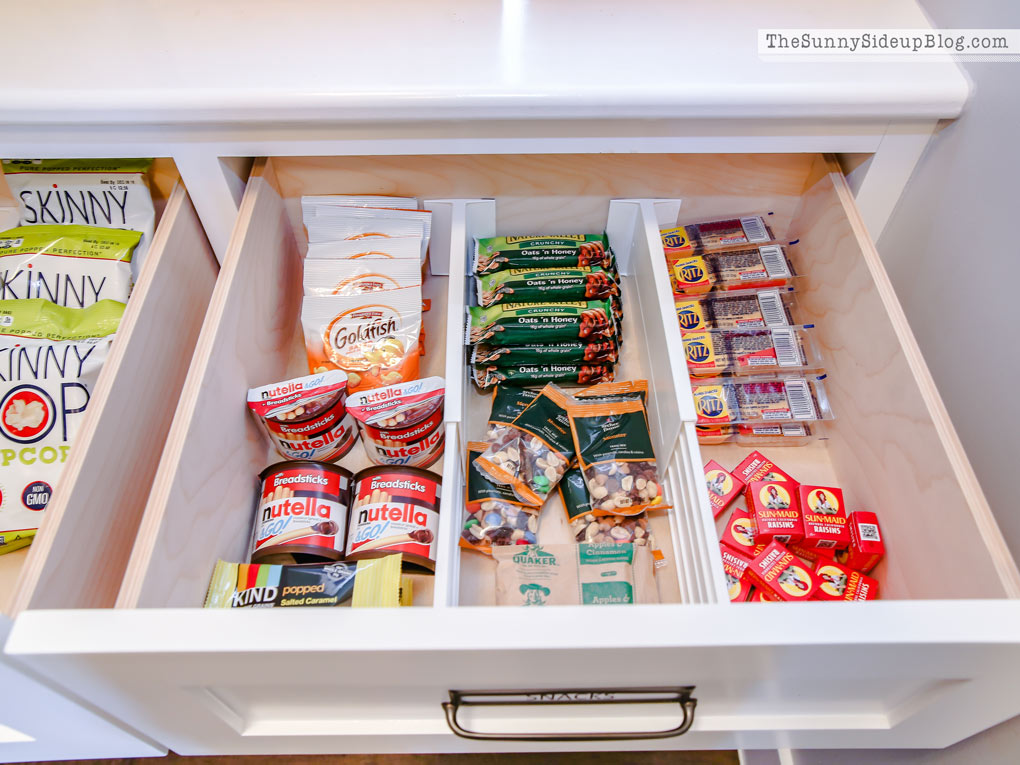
[839,582]
[780,575]
[402,424]
[306,418]
[866,547]
[775,511]
[824,516]
[723,487]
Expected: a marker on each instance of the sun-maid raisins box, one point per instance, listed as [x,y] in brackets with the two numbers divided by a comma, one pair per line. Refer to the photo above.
[739,533]
[825,521]
[757,467]
[734,567]
[775,512]
[723,487]
[839,582]
[866,547]
[780,575]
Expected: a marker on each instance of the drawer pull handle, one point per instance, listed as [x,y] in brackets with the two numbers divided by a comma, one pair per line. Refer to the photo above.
[580,697]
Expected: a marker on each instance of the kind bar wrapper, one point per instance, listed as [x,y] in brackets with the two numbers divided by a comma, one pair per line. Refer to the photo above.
[614,452]
[571,575]
[373,337]
[575,352]
[530,323]
[839,582]
[750,351]
[365,584]
[368,249]
[775,512]
[734,567]
[723,487]
[493,516]
[108,193]
[866,547]
[306,418]
[498,253]
[757,467]
[73,266]
[50,359]
[356,276]
[740,309]
[824,514]
[780,576]
[715,235]
[540,374]
[760,400]
[544,449]
[545,285]
[739,533]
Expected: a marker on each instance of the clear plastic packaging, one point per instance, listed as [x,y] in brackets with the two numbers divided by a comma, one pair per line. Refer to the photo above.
[736,309]
[696,238]
[765,266]
[761,434]
[751,351]
[765,399]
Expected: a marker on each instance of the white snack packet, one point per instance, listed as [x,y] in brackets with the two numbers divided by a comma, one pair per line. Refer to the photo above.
[370,247]
[50,359]
[312,203]
[334,223]
[361,275]
[74,266]
[109,193]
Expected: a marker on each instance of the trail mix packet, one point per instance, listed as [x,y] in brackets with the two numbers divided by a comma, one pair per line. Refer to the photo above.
[576,574]
[614,452]
[541,285]
[523,323]
[539,374]
[73,266]
[493,515]
[587,527]
[590,352]
[534,464]
[497,253]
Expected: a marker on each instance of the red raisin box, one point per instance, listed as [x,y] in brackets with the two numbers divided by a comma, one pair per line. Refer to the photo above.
[780,575]
[739,533]
[839,582]
[866,548]
[824,516]
[775,512]
[723,487]
[734,566]
[757,467]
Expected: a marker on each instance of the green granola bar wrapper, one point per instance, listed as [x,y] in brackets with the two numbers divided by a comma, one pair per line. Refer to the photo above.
[542,285]
[532,323]
[579,352]
[497,253]
[539,374]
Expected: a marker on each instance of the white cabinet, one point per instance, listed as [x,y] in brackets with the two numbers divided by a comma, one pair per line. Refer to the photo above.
[935,661]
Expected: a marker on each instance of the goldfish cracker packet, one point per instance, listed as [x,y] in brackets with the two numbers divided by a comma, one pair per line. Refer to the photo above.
[365,584]
[357,276]
[614,452]
[373,337]
[493,516]
[313,204]
[371,248]
[338,223]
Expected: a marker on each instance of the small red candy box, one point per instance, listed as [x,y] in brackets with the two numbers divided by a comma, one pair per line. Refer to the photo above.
[839,582]
[723,487]
[825,521]
[866,548]
[780,575]
[775,512]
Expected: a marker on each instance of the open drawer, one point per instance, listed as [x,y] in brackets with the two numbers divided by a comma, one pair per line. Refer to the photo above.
[79,555]
[933,663]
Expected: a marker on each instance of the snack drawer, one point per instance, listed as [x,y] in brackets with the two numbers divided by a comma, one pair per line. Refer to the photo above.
[79,555]
[934,662]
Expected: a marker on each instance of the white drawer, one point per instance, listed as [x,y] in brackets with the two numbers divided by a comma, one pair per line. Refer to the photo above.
[80,553]
[934,662]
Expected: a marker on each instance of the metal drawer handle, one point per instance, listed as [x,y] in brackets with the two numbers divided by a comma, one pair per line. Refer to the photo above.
[582,697]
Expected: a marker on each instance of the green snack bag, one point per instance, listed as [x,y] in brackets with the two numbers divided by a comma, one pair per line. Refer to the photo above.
[532,323]
[497,253]
[546,285]
[539,374]
[596,351]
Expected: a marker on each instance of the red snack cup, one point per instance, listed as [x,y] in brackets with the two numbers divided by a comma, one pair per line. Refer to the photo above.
[723,487]
[824,516]
[775,512]
[780,575]
[757,467]
[739,533]
[866,548]
[839,582]
[734,566]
